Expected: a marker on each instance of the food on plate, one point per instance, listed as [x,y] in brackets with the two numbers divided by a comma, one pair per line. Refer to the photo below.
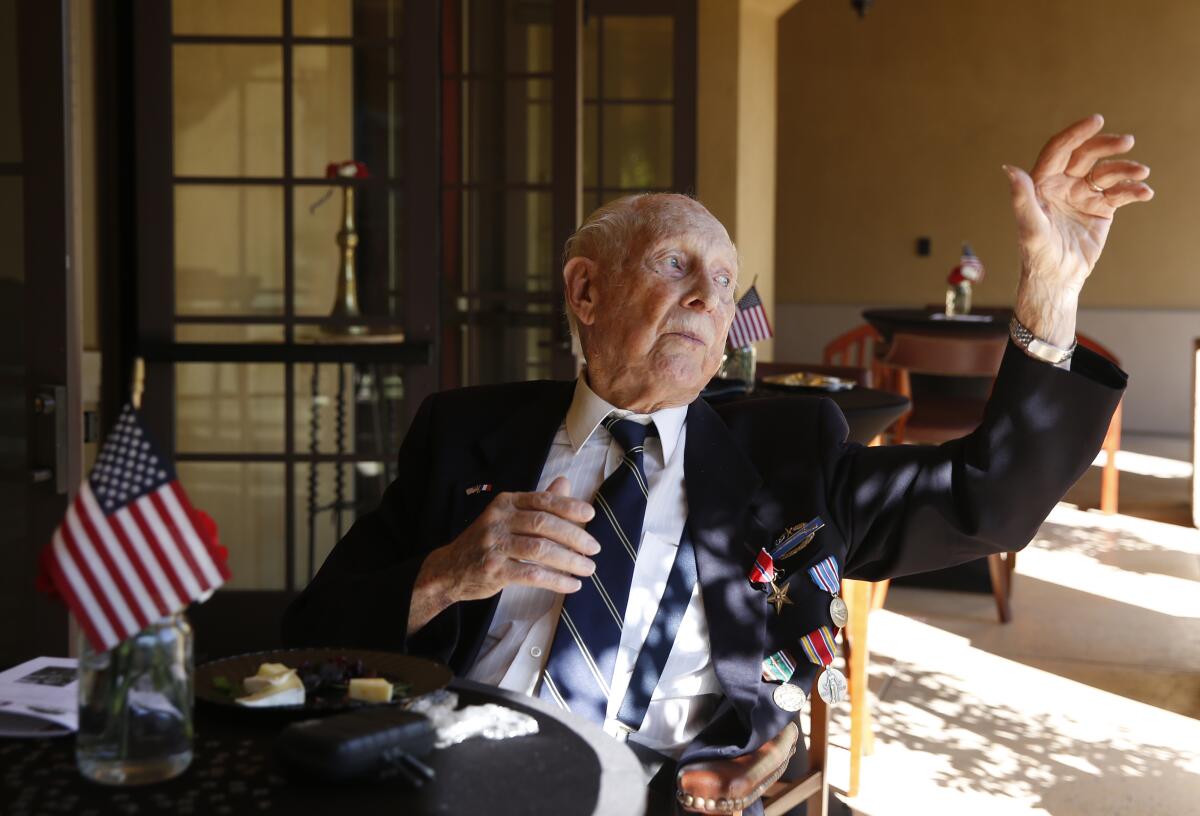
[370,690]
[268,674]
[281,689]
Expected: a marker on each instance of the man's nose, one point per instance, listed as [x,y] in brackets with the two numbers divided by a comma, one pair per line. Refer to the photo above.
[703,294]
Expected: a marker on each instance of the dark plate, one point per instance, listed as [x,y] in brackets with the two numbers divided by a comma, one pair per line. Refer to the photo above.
[420,675]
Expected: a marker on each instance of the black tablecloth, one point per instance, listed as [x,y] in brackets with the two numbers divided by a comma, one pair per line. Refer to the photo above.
[566,768]
[932,320]
[868,411]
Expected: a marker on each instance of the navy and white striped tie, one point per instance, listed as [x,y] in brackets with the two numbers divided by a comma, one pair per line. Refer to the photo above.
[580,666]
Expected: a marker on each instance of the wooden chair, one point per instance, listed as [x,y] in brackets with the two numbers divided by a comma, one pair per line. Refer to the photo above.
[856,348]
[1112,440]
[731,785]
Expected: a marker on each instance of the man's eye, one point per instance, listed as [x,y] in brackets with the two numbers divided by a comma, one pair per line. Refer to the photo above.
[724,281]
[671,264]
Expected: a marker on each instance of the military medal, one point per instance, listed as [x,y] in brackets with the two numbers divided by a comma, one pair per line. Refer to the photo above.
[795,539]
[778,597]
[825,575]
[763,571]
[819,648]
[831,685]
[789,697]
[780,667]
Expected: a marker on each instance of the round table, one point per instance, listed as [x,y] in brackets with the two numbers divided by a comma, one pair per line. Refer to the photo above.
[985,321]
[868,411]
[568,767]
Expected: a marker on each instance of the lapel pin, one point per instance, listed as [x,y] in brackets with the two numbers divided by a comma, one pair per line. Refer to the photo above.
[479,488]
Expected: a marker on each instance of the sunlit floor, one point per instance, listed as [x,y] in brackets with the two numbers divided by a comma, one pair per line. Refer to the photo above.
[1087,703]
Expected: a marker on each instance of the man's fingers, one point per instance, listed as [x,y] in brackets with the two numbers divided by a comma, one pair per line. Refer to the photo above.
[1128,192]
[1112,172]
[1084,157]
[547,525]
[549,554]
[1057,153]
[561,505]
[543,578]
[561,486]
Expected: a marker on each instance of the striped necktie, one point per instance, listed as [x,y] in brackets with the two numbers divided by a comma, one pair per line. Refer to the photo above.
[580,666]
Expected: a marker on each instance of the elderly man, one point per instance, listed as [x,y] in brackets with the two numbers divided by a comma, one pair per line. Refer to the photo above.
[591,541]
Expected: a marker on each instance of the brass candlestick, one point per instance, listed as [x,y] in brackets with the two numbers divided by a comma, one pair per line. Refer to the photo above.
[345,306]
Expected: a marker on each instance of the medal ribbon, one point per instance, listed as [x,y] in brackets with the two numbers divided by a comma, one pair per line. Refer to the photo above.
[763,570]
[825,575]
[818,646]
[779,666]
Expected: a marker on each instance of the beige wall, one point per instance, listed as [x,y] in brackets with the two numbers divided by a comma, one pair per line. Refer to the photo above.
[896,126]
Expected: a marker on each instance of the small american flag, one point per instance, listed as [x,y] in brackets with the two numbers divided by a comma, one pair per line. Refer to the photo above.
[131,549]
[750,324]
[969,266]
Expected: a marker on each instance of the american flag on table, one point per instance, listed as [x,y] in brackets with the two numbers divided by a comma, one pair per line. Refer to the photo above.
[750,324]
[969,266]
[131,549]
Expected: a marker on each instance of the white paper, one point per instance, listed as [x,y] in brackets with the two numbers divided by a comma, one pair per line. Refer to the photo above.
[40,698]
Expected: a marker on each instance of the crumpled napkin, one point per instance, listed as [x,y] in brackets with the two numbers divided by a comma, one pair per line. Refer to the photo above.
[489,721]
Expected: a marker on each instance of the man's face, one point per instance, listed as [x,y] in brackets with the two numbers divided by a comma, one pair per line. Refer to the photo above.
[659,325]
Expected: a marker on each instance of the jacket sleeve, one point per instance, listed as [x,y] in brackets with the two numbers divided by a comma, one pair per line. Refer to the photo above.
[906,509]
[361,596]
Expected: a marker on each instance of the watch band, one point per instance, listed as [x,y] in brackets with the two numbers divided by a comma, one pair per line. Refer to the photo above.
[1037,348]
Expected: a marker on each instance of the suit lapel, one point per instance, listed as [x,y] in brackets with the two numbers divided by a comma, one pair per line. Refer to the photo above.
[720,481]
[513,454]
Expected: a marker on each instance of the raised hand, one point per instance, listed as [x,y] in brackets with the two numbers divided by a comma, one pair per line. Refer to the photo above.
[1064,210]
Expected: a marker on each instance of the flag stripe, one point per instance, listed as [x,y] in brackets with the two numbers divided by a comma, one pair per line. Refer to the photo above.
[74,564]
[155,500]
[210,547]
[156,545]
[146,510]
[200,553]
[127,531]
[85,547]
[135,580]
[79,599]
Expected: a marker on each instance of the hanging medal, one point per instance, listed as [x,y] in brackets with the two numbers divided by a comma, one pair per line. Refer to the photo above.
[780,667]
[819,648]
[825,575]
[765,576]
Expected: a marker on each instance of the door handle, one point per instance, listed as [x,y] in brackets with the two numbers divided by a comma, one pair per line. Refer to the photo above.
[48,404]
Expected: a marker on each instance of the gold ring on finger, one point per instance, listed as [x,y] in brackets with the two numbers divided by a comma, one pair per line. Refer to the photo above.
[1091,183]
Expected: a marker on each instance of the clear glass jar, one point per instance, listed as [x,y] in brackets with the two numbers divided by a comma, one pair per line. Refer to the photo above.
[739,364]
[958,299]
[135,706]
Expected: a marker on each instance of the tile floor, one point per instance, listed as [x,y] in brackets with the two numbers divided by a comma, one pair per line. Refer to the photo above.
[1087,703]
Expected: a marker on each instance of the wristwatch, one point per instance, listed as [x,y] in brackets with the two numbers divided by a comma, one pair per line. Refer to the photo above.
[1038,349]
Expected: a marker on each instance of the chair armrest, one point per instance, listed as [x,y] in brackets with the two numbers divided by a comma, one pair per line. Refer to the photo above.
[732,785]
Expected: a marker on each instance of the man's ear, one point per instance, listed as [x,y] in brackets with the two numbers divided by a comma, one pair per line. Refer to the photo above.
[579,287]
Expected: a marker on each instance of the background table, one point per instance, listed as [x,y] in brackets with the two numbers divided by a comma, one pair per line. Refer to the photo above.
[569,767]
[924,321]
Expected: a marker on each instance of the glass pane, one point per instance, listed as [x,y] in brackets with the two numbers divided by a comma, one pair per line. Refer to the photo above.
[247,503]
[638,58]
[228,250]
[510,250]
[591,58]
[228,333]
[637,146]
[322,18]
[530,32]
[228,110]
[329,497]
[10,94]
[323,108]
[379,225]
[229,408]
[497,354]
[257,17]
[506,140]
[349,408]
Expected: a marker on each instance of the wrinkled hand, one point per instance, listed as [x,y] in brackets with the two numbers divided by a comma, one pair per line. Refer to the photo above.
[1064,209]
[533,539]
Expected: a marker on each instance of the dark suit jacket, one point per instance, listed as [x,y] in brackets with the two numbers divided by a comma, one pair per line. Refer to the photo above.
[752,469]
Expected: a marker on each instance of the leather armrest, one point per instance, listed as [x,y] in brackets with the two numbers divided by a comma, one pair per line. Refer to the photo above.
[732,785]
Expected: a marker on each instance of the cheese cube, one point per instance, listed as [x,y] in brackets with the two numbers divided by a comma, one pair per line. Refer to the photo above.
[371,690]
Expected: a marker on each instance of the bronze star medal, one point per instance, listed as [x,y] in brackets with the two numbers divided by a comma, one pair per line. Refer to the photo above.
[778,597]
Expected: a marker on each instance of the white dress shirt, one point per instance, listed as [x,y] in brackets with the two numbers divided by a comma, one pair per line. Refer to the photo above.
[522,631]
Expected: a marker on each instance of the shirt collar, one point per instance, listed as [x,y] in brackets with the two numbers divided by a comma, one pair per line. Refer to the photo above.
[588,410]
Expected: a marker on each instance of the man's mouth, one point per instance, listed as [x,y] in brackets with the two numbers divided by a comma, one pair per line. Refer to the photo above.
[688,336]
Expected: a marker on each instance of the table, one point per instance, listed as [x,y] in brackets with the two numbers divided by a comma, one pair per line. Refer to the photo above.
[868,411]
[569,767]
[932,320]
